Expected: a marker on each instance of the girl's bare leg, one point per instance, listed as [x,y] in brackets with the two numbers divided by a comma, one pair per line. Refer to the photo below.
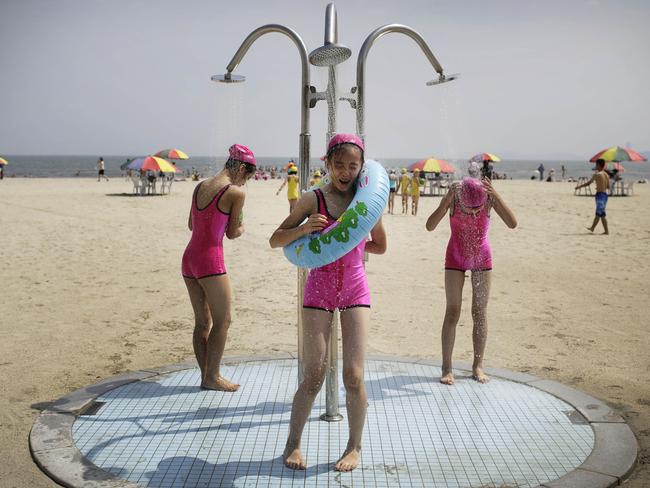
[218,296]
[292,203]
[454,281]
[480,294]
[354,331]
[202,322]
[317,325]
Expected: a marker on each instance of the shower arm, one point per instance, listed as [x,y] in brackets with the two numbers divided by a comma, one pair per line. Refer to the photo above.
[297,40]
[356,95]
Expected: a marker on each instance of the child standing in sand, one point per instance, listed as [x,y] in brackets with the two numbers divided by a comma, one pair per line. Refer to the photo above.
[469,204]
[404,183]
[217,205]
[341,284]
[293,189]
[415,191]
[602,185]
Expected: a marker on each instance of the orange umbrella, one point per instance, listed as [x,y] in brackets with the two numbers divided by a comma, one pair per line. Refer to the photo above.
[432,165]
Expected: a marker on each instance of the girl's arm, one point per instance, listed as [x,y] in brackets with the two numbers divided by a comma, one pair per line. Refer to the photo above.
[377,242]
[500,206]
[282,186]
[235,225]
[293,226]
[437,215]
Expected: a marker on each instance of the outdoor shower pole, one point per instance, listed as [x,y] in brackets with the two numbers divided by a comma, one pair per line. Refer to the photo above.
[330,54]
[303,156]
[357,95]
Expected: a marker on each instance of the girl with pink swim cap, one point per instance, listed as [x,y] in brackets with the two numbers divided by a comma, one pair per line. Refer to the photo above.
[469,205]
[341,284]
[214,203]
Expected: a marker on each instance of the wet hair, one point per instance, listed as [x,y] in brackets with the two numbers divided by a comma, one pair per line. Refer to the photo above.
[233,165]
[340,148]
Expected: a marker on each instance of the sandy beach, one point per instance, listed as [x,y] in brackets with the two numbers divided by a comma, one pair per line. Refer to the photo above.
[91,287]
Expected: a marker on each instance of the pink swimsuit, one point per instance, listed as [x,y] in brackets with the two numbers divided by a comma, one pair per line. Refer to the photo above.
[341,284]
[203,255]
[468,247]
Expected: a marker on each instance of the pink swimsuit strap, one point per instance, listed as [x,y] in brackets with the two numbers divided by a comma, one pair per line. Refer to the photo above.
[354,258]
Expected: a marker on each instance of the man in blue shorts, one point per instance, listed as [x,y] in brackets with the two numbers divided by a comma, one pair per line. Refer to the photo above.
[602,185]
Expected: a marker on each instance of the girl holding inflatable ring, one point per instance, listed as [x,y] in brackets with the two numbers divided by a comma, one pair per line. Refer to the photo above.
[341,284]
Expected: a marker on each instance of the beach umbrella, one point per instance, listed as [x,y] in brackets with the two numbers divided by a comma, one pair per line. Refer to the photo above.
[432,165]
[479,158]
[618,154]
[172,154]
[3,162]
[153,163]
[615,166]
[125,164]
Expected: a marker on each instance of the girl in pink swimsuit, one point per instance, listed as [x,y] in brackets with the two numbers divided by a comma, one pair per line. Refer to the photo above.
[217,205]
[341,284]
[469,205]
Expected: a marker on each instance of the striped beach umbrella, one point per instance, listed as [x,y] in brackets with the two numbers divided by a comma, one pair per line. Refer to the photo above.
[615,166]
[618,154]
[3,162]
[153,163]
[172,154]
[479,158]
[432,165]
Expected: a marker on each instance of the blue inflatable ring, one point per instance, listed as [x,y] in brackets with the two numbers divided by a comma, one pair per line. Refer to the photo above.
[320,248]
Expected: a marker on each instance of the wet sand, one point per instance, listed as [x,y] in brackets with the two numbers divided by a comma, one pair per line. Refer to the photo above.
[91,287]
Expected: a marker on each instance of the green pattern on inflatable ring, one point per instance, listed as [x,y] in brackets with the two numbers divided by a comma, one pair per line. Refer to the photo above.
[317,250]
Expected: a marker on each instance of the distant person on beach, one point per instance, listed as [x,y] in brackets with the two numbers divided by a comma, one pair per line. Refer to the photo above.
[415,191]
[469,204]
[315,180]
[563,172]
[101,169]
[217,205]
[392,188]
[293,186]
[404,183]
[601,178]
[541,168]
[339,285]
[487,169]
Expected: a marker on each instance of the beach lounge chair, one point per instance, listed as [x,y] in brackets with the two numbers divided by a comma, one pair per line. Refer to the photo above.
[629,188]
[137,184]
[166,184]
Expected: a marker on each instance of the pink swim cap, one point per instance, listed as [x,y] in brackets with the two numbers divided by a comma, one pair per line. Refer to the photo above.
[472,193]
[339,139]
[241,153]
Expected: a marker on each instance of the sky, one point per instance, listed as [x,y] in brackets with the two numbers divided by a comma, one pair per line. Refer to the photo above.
[548,80]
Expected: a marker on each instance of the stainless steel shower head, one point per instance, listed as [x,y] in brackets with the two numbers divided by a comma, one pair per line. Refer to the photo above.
[228,78]
[443,79]
[331,52]
[329,55]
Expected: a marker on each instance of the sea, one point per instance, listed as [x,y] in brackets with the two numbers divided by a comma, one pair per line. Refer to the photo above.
[62,166]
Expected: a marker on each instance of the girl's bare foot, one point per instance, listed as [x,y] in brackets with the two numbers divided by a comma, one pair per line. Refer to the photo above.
[447,378]
[348,461]
[293,458]
[479,375]
[222,384]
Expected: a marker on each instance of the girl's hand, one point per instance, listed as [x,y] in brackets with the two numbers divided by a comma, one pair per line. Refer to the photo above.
[315,223]
[487,184]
